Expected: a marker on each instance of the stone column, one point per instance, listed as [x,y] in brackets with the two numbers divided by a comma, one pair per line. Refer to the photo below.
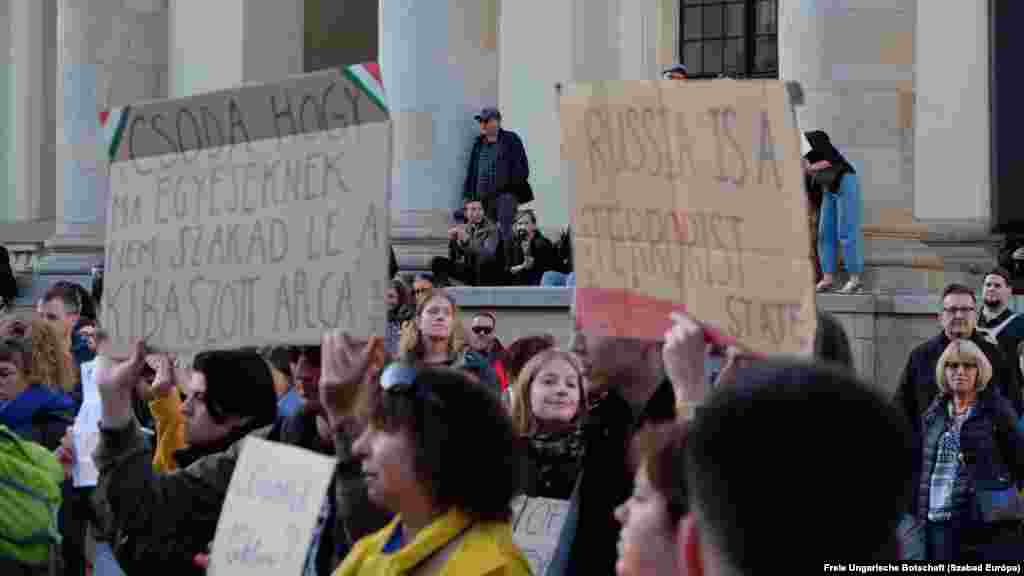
[439,62]
[953,194]
[111,53]
[30,126]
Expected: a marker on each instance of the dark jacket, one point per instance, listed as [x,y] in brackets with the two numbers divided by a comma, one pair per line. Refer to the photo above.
[512,169]
[607,482]
[1009,339]
[990,445]
[544,258]
[40,415]
[917,388]
[478,260]
[165,519]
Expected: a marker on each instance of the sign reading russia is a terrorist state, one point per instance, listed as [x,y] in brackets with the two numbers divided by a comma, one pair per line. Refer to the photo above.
[247,217]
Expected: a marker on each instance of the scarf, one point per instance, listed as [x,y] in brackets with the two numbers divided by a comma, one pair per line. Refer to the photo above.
[556,449]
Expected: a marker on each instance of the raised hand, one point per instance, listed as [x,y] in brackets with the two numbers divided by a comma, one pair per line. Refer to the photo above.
[683,355]
[116,381]
[344,367]
[165,380]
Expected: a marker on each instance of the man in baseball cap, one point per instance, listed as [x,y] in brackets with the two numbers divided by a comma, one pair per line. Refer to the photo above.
[498,176]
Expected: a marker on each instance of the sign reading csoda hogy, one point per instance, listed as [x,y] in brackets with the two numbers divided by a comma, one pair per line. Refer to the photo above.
[250,216]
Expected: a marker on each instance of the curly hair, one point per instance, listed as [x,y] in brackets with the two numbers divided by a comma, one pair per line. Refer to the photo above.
[50,361]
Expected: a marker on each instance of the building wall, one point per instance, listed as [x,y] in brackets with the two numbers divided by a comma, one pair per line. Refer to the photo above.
[7,195]
[532,65]
[211,58]
[952,75]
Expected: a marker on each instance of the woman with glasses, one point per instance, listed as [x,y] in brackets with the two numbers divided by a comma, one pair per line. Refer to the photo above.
[973,454]
[422,459]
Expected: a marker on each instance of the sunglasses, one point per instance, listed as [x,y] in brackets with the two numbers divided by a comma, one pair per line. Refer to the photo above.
[482,330]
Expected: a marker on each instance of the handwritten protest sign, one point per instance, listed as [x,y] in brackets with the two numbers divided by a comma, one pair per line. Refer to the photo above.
[536,525]
[688,197]
[268,518]
[249,217]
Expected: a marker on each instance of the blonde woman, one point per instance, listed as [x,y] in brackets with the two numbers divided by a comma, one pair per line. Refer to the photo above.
[51,363]
[435,337]
[972,450]
[548,405]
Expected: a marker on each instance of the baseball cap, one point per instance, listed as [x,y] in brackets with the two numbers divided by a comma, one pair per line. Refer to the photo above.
[488,113]
[680,68]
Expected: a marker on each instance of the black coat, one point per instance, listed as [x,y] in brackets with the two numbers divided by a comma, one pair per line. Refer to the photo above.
[991,446]
[1009,340]
[544,258]
[512,170]
[607,481]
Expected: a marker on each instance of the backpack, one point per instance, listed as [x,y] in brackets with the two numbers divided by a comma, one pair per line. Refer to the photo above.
[992,334]
[30,498]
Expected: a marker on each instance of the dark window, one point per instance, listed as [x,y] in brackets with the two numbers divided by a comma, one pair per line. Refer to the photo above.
[339,33]
[737,38]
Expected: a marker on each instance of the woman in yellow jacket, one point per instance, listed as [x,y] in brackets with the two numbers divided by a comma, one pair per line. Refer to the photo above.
[440,452]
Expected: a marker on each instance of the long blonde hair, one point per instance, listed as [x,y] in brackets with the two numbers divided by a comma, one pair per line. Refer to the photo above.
[51,364]
[522,412]
[411,347]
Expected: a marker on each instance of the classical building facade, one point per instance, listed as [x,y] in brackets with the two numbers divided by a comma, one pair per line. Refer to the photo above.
[906,100]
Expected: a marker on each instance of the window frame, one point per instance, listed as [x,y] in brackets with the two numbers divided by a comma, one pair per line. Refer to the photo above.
[750,36]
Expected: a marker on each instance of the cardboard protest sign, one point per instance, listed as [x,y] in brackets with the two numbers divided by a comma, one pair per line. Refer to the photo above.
[536,527]
[267,522]
[688,197]
[248,217]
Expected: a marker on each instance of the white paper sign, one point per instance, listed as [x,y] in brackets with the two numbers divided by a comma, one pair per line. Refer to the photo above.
[536,527]
[270,511]
[85,434]
[86,437]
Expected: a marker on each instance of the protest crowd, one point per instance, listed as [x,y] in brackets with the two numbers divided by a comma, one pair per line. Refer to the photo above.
[445,442]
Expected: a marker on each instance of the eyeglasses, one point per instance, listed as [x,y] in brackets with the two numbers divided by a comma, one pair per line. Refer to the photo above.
[965,310]
[482,330]
[959,365]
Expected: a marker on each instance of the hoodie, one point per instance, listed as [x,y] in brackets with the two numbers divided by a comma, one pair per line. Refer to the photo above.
[39,414]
